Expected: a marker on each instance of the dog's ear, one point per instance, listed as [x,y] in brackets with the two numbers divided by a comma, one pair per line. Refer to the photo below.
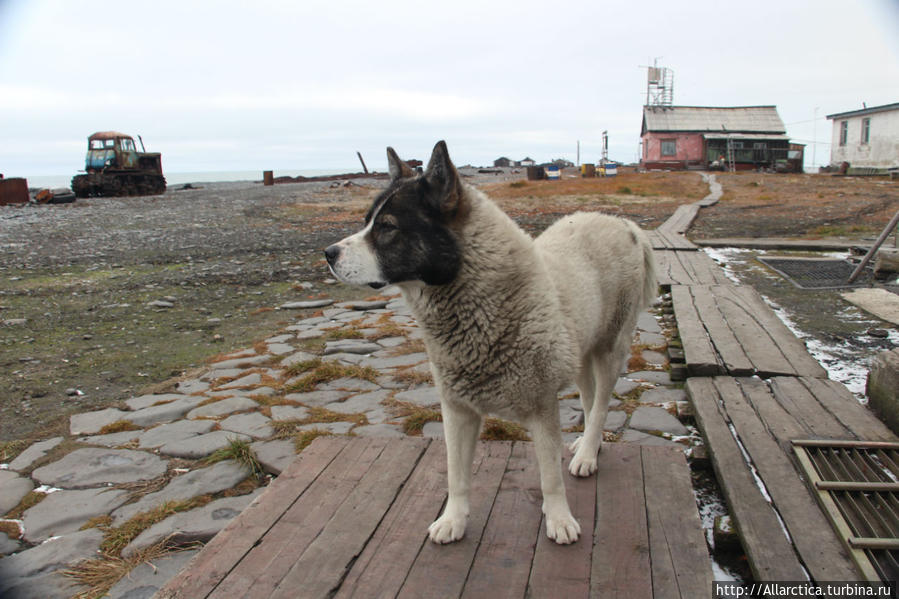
[444,180]
[398,168]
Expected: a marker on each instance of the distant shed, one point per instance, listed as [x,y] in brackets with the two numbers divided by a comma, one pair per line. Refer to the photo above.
[682,137]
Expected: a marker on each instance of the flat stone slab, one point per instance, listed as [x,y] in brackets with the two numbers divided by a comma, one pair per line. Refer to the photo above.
[615,420]
[254,425]
[350,346]
[421,396]
[34,573]
[201,445]
[12,489]
[223,407]
[241,362]
[432,430]
[396,361]
[335,428]
[306,305]
[213,479]
[279,349]
[197,525]
[363,305]
[364,402]
[95,466]
[174,432]
[166,412]
[88,423]
[879,302]
[289,412]
[648,419]
[8,545]
[379,430]
[639,438]
[146,401]
[146,579]
[192,386]
[113,439]
[63,512]
[318,399]
[647,322]
[34,452]
[274,456]
[296,358]
[348,384]
[657,377]
[663,395]
[251,380]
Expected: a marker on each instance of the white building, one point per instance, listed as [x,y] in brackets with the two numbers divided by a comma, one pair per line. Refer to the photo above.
[866,138]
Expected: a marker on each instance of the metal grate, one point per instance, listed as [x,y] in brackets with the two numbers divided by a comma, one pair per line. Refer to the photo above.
[817,273]
[857,485]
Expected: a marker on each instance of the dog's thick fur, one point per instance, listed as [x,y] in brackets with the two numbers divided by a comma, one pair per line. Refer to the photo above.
[509,321]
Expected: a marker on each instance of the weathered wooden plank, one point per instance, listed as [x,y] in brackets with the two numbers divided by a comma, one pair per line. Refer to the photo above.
[510,538]
[276,552]
[667,240]
[821,551]
[840,402]
[700,354]
[681,568]
[731,350]
[793,348]
[621,560]
[228,547]
[677,267]
[382,567]
[325,562]
[780,423]
[680,221]
[771,555]
[798,401]
[441,570]
[564,570]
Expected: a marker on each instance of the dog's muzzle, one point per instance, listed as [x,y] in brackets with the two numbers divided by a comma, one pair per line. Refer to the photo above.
[332,253]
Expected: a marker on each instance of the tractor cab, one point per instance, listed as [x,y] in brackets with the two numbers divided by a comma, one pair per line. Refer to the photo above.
[110,149]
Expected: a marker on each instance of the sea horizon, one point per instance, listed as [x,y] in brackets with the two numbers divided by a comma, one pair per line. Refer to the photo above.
[181,178]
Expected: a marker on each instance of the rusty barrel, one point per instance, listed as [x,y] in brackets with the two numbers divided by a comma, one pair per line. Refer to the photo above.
[268,178]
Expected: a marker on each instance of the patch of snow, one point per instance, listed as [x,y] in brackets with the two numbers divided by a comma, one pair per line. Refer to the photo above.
[46,489]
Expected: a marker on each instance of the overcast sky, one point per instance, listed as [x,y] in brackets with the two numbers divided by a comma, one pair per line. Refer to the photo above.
[225,85]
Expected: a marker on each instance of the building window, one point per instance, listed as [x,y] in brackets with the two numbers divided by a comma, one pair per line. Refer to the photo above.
[844,132]
[759,145]
[669,147]
[866,131]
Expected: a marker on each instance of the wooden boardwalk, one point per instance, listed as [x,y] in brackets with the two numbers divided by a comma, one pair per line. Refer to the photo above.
[348,518]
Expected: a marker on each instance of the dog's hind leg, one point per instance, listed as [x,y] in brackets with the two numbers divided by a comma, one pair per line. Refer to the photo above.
[605,373]
[561,526]
[461,426]
[586,386]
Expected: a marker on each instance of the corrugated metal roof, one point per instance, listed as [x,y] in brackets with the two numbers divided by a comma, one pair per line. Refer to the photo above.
[750,136]
[745,119]
[864,111]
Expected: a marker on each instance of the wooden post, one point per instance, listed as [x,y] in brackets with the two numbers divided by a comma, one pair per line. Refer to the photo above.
[268,178]
[364,168]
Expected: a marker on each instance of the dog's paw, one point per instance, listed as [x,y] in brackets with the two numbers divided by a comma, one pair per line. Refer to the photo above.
[563,529]
[581,466]
[447,529]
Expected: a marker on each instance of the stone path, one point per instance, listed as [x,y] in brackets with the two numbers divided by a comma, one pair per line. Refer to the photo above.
[348,368]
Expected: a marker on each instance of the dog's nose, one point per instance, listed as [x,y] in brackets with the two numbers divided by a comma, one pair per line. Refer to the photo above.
[332,253]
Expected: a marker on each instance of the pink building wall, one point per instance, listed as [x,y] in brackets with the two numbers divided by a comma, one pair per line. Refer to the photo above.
[689,147]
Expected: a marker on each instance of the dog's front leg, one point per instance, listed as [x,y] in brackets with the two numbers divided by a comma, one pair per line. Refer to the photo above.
[461,426]
[561,526]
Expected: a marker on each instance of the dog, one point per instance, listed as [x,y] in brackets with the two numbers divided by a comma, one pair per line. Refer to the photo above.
[508,320]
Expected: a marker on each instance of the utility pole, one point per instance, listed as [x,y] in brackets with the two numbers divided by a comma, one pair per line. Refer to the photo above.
[578,153]
[815,138]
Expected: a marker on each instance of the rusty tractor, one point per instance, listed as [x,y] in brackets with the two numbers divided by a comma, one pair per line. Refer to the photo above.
[114,167]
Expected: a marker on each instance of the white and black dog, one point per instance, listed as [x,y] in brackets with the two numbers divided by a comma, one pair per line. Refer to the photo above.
[509,320]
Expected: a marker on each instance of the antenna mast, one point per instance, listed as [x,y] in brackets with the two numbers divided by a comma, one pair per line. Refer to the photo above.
[659,85]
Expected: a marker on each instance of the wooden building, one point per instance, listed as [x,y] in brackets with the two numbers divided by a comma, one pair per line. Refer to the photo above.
[681,137]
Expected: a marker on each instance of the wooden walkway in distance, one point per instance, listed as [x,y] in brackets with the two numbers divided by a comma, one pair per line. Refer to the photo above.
[348,518]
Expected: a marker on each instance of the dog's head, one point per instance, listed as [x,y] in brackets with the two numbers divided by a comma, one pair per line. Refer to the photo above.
[409,232]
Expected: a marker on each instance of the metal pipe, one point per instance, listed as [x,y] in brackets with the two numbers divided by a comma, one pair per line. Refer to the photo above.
[886,233]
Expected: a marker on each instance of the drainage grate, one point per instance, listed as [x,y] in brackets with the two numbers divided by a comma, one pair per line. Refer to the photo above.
[817,273]
[857,485]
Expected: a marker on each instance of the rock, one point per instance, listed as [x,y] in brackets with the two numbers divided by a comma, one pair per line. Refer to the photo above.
[274,456]
[379,430]
[289,412]
[12,489]
[663,395]
[615,419]
[571,413]
[649,419]
[161,304]
[878,333]
[725,535]
[8,545]
[213,479]
[348,384]
[279,349]
[296,358]
[306,305]
[364,402]
[242,362]
[624,386]
[650,339]
[424,396]
[390,342]
[317,398]
[166,412]
[216,374]
[223,407]
[34,573]
[353,359]
[197,525]
[632,436]
[350,346]
[66,511]
[112,439]
[658,377]
[201,445]
[396,361]
[647,322]
[245,382]
[253,425]
[92,422]
[192,386]
[432,430]
[654,358]
[147,401]
[882,387]
[335,428]
[362,305]
[174,432]
[34,452]
[146,579]
[95,466]
[279,339]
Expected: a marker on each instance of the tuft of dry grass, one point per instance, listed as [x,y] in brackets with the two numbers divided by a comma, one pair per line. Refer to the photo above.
[414,417]
[496,429]
[29,501]
[411,377]
[317,371]
[343,333]
[119,537]
[9,450]
[416,346]
[239,451]
[119,426]
[10,529]
[302,440]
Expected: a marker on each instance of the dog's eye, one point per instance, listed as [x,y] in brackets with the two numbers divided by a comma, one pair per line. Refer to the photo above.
[386,226]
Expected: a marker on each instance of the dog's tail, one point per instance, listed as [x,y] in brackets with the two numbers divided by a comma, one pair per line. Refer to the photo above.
[650,284]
